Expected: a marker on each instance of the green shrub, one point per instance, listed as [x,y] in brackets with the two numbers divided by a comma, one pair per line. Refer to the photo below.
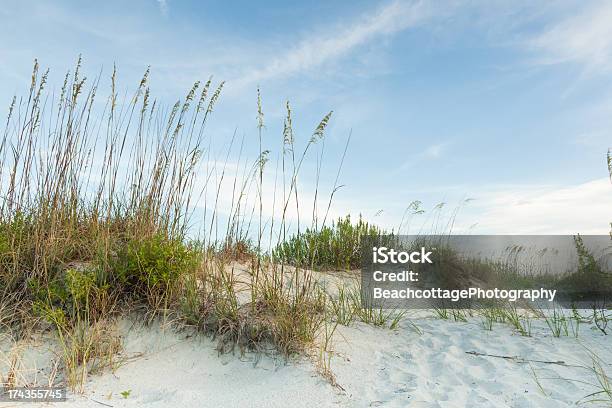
[336,247]
[154,265]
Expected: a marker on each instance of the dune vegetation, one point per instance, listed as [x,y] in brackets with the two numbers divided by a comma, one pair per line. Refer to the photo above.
[98,202]
[96,212]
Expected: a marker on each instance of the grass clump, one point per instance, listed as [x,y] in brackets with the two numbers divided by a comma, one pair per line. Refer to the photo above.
[603,384]
[96,214]
[520,322]
[150,268]
[81,312]
[343,307]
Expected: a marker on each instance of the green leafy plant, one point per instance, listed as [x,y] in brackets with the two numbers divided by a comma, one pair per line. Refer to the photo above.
[151,267]
[338,246]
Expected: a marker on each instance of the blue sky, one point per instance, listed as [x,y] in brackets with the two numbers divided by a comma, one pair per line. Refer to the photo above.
[505,102]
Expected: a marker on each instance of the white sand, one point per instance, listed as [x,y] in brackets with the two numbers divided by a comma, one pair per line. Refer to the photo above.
[403,368]
[179,372]
[373,366]
[376,367]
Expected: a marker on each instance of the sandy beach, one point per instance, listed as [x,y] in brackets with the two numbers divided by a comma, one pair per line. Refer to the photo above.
[399,204]
[425,362]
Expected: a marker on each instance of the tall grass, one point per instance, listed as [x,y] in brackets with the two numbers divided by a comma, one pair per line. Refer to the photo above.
[79,189]
[96,207]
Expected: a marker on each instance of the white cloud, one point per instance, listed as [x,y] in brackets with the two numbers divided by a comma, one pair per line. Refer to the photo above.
[520,209]
[584,38]
[584,208]
[232,182]
[324,47]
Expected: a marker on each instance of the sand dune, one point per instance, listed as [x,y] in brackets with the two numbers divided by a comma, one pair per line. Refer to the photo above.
[373,366]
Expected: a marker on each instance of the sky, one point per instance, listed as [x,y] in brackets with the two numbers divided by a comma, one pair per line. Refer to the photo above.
[502,110]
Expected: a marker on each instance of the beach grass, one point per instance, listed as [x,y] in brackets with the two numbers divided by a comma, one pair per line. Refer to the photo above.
[96,206]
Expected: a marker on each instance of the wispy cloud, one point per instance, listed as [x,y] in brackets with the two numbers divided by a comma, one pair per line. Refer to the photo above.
[432,152]
[325,47]
[522,209]
[163,6]
[584,38]
[435,151]
[582,208]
